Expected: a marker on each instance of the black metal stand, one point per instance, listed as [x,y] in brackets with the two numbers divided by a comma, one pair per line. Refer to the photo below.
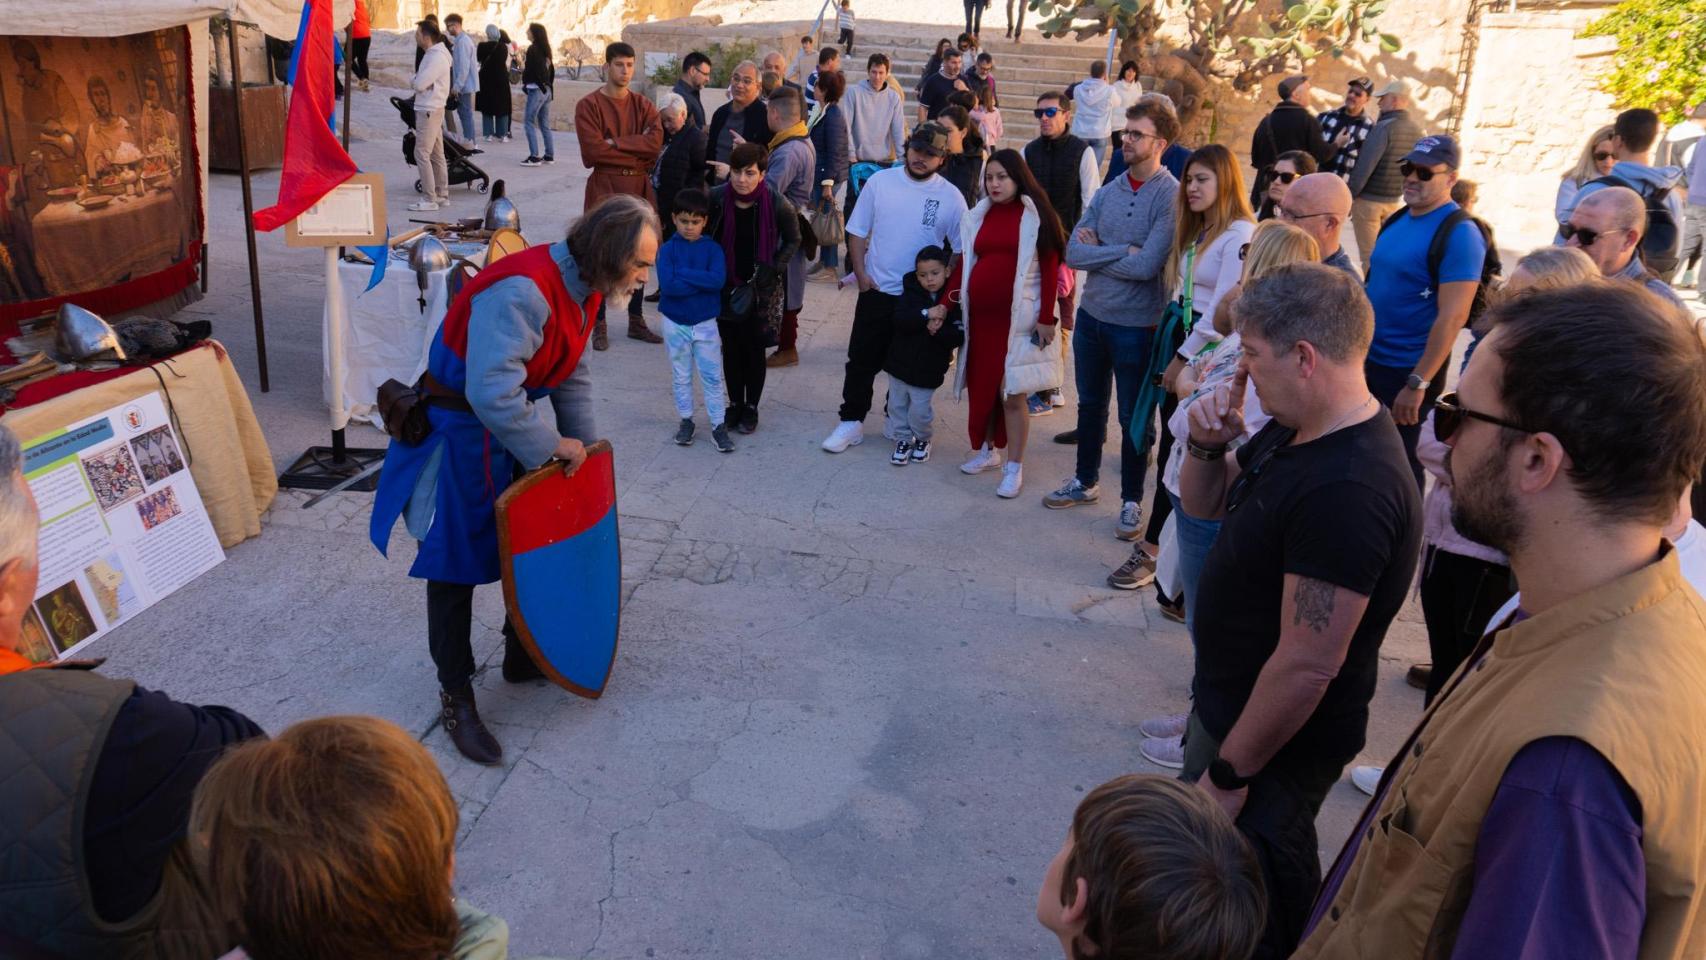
[322,468]
[248,203]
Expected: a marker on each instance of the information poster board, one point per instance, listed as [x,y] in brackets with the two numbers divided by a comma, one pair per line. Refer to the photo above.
[122,524]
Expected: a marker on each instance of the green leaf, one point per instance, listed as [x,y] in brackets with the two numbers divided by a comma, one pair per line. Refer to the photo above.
[1296,13]
[1389,43]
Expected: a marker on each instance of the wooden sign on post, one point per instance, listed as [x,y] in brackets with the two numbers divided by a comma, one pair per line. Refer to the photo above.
[352,215]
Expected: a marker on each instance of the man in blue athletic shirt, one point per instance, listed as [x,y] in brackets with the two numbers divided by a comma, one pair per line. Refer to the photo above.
[1418,311]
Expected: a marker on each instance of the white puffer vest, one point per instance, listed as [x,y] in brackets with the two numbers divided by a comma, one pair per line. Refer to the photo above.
[1025,363]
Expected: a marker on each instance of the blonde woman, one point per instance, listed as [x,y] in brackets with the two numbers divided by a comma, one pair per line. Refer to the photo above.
[1596,161]
[1274,244]
[1212,225]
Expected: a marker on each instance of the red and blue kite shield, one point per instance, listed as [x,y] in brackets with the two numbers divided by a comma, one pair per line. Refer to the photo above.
[562,568]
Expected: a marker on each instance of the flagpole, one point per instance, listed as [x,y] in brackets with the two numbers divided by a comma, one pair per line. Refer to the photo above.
[334,351]
[248,203]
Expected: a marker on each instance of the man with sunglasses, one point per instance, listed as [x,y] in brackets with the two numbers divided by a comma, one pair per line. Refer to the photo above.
[1375,181]
[1347,127]
[1418,312]
[1607,226]
[1635,134]
[1320,531]
[1549,804]
[1319,204]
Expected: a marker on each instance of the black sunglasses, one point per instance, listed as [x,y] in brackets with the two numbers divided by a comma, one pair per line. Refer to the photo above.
[1449,414]
[1042,112]
[1602,157]
[1583,235]
[1286,177]
[1409,169]
[1240,489]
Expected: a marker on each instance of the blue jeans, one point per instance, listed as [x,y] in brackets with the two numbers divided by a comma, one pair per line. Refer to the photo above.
[697,345]
[1099,147]
[1109,359]
[536,119]
[1195,538]
[494,124]
[465,115]
[1385,383]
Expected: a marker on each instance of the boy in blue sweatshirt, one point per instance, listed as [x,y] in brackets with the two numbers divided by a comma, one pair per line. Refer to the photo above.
[691,272]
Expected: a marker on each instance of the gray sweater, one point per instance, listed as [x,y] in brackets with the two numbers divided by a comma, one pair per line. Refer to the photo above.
[876,121]
[1126,289]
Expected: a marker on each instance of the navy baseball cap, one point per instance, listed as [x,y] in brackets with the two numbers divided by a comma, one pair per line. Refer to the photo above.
[1439,148]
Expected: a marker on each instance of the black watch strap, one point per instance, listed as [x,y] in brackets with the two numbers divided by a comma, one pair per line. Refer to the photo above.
[1222,775]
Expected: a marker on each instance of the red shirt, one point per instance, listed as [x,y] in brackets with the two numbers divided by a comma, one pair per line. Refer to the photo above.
[1136,184]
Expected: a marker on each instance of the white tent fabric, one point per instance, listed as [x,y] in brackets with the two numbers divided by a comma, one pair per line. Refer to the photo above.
[118,18]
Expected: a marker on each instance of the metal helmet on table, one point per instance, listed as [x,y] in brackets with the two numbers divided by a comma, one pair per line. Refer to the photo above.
[80,335]
[501,211]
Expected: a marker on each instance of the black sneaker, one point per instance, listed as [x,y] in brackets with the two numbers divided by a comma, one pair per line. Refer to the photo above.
[531,161]
[720,436]
[748,419]
[902,452]
[731,416]
[684,433]
[1068,437]
[547,158]
[920,451]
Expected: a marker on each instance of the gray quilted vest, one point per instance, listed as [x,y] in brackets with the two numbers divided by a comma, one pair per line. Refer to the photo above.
[52,725]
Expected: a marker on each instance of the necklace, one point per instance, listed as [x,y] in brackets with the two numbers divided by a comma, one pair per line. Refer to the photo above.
[1342,421]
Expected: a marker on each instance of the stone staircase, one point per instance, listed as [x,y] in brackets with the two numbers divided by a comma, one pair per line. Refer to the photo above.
[1023,70]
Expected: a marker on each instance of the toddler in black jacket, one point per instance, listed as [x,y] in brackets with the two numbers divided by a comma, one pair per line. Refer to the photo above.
[925,337]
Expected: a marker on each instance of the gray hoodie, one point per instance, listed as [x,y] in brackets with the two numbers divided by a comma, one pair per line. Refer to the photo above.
[876,121]
[1646,180]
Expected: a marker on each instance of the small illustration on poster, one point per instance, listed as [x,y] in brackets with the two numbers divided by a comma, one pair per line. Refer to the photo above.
[158,507]
[34,644]
[157,452]
[67,616]
[111,587]
[113,476]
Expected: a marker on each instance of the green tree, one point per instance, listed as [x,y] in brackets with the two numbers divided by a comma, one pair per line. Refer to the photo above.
[1661,54]
[1239,41]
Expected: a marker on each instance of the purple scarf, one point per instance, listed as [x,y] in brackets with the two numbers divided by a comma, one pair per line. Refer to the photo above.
[765,211]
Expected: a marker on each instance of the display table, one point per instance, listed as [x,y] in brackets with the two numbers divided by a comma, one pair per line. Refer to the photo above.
[386,334]
[78,249]
[228,456]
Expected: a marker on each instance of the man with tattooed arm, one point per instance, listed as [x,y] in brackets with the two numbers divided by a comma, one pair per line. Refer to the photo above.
[1321,527]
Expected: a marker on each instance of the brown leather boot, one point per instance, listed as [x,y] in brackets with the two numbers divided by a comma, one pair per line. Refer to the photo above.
[785,357]
[600,335]
[637,331]
[462,722]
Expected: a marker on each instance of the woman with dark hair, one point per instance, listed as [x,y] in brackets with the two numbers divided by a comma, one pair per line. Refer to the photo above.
[834,146]
[1288,166]
[1129,91]
[963,166]
[759,231]
[538,81]
[492,99]
[934,65]
[1006,284]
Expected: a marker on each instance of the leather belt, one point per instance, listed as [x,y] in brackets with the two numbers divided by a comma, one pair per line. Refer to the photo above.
[619,171]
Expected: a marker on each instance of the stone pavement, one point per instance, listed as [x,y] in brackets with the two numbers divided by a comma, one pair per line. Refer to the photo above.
[854,705]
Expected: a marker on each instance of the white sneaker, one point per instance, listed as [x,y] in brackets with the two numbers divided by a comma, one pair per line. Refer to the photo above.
[1164,751]
[1367,779]
[847,433]
[1130,516]
[1171,725]
[421,206]
[1012,478]
[987,458]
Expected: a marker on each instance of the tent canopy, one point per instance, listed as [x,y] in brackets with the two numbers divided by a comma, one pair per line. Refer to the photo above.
[118,18]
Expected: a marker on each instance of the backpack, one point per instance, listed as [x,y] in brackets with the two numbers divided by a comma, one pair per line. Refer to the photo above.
[1661,245]
[1490,265]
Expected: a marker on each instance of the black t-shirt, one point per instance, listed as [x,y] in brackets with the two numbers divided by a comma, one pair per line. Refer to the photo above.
[1342,509]
[935,92]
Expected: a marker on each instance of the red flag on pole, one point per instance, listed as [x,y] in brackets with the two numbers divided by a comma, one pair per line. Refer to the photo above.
[314,160]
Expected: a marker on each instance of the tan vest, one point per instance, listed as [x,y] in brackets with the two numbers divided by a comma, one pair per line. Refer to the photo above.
[1623,668]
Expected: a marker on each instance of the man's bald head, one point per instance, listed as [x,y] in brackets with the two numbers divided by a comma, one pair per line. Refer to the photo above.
[1607,225]
[1623,207]
[1319,204]
[775,61]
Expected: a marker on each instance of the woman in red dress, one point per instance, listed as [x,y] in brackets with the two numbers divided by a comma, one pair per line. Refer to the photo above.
[1013,243]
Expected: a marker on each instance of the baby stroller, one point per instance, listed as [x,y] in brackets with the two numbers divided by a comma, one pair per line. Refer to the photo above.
[456,157]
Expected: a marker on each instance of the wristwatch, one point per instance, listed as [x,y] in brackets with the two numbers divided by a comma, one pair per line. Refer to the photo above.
[1221,774]
[1417,383]
[1201,452]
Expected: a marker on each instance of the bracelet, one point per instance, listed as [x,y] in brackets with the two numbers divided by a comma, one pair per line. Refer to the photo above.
[1204,453]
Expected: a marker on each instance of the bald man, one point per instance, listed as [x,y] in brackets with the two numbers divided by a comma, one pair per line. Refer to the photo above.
[1607,226]
[1319,204]
[775,63]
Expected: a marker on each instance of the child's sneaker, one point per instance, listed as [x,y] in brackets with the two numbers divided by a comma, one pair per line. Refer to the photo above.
[720,436]
[902,453]
[1038,406]
[986,458]
[684,433]
[920,451]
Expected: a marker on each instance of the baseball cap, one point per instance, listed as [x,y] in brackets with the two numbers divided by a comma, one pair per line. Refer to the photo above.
[1439,148]
[1362,83]
[1289,85]
[931,138]
[1398,87]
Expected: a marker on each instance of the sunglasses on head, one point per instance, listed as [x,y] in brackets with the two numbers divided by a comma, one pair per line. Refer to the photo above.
[1449,415]
[1583,235]
[1042,112]
[1409,169]
[1286,177]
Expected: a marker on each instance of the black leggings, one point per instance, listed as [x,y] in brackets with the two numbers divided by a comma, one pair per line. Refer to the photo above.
[974,16]
[743,361]
[1459,595]
[358,47]
[450,619]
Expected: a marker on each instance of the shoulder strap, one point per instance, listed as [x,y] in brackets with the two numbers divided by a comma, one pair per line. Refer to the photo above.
[1436,246]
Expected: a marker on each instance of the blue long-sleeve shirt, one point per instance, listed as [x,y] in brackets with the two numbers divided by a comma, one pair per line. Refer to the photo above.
[464,66]
[690,280]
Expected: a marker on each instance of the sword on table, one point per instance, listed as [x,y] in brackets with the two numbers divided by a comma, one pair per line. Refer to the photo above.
[346,483]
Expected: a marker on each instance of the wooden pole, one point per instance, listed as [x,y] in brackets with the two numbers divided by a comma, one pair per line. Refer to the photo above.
[248,204]
[349,44]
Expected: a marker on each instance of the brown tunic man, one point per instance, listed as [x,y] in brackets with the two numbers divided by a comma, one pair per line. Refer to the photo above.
[620,136]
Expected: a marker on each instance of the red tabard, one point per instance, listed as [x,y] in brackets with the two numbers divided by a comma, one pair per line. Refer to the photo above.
[565,332]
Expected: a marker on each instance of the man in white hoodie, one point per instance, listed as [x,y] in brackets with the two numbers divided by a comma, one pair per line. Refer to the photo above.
[1093,103]
[432,89]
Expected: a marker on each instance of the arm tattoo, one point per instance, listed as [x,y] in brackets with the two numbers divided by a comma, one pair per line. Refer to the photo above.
[1314,600]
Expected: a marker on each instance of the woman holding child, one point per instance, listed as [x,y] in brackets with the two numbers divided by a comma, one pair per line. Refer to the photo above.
[1006,284]
[759,232]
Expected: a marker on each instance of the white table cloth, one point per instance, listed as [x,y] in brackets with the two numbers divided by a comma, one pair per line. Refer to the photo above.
[386,335]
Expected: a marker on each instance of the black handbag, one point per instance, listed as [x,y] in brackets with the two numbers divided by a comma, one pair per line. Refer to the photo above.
[742,298]
[403,408]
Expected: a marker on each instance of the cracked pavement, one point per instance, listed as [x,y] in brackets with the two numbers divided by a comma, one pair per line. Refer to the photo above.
[854,705]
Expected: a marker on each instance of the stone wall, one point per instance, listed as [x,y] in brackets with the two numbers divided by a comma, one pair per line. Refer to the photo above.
[576,24]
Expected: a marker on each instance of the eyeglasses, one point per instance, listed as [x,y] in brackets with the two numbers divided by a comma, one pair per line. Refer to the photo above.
[1409,169]
[740,81]
[1243,251]
[1583,235]
[1042,112]
[1286,177]
[1449,414]
[1602,157]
